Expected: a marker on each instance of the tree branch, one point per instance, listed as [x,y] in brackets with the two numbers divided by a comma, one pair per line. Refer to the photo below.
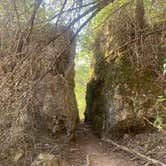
[135,152]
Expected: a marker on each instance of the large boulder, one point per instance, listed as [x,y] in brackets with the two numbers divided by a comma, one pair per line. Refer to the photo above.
[122,95]
[37,90]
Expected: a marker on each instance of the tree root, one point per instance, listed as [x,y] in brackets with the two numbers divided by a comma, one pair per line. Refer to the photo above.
[149,159]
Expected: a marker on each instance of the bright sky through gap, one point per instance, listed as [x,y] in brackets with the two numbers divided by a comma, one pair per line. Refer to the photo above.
[47,1]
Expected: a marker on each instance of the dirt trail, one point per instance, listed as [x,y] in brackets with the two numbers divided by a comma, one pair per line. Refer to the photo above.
[91,151]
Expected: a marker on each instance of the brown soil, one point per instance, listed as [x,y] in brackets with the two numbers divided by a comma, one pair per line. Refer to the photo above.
[90,150]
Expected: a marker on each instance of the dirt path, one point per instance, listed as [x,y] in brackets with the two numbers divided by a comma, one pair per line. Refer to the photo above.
[91,151]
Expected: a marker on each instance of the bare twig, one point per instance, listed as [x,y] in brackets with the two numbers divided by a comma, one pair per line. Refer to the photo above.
[37,4]
[147,158]
[85,23]
[136,39]
[98,7]
[70,10]
[63,6]
[17,14]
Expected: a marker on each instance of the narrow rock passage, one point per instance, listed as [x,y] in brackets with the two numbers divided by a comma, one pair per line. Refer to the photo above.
[91,151]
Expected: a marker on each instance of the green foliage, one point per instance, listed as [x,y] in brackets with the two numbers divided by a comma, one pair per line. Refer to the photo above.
[82,74]
[158,123]
[161,99]
[94,26]
[84,55]
[164,68]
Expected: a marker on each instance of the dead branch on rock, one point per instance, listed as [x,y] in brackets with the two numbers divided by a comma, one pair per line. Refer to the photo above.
[128,150]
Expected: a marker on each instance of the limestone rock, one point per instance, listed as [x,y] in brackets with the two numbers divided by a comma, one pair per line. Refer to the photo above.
[37,91]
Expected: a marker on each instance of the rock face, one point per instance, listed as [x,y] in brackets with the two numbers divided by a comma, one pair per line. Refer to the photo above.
[56,101]
[37,90]
[126,82]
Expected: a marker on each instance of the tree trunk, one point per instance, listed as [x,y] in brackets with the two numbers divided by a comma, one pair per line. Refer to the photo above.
[139,16]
